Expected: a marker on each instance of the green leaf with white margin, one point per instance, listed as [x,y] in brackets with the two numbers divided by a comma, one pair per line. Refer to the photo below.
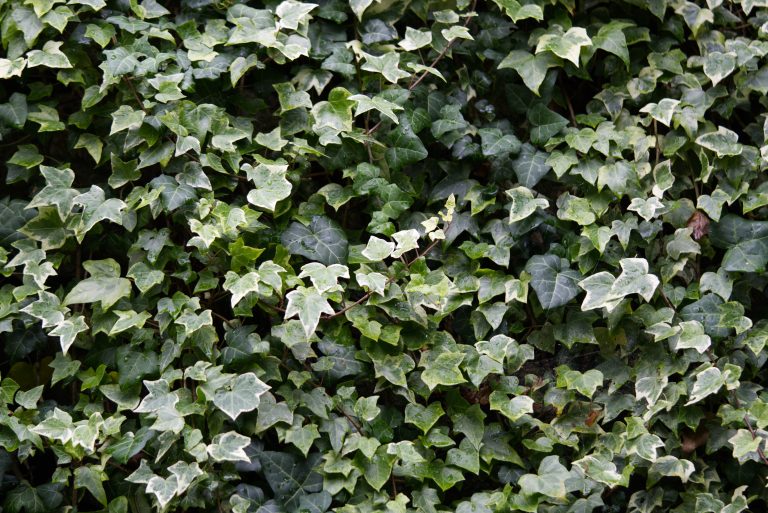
[514,408]
[377,103]
[605,291]
[292,13]
[229,446]
[585,383]
[724,142]
[708,382]
[553,280]
[517,12]
[406,240]
[29,398]
[388,65]
[359,7]
[104,284]
[163,489]
[550,481]
[530,166]
[456,31]
[670,466]
[662,111]
[325,278]
[567,45]
[443,370]
[524,204]
[531,68]
[97,208]
[90,477]
[57,191]
[309,305]
[57,426]
[744,443]
[610,37]
[647,208]
[241,394]
[718,65]
[378,249]
[270,183]
[323,240]
[67,331]
[415,39]
[691,336]
[125,118]
[50,56]
[719,283]
[128,319]
[423,417]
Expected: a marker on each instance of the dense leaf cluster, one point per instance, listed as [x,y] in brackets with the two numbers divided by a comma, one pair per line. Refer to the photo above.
[405,256]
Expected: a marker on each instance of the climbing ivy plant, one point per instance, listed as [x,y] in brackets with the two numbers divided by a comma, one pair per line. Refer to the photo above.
[404,256]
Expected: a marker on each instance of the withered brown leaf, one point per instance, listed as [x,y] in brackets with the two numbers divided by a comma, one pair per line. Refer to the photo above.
[699,223]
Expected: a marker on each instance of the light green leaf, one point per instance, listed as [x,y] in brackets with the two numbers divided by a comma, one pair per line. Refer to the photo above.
[309,305]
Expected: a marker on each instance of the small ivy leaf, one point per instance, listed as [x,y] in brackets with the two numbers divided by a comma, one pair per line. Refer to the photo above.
[585,383]
[647,208]
[524,204]
[242,394]
[324,278]
[531,68]
[271,184]
[309,305]
[414,38]
[58,426]
[567,45]
[724,142]
[691,336]
[388,65]
[553,280]
[662,111]
[67,331]
[229,446]
[443,370]
[530,166]
[603,291]
[545,123]
[163,489]
[610,37]
[514,409]
[423,417]
[378,249]
[90,477]
[406,240]
[719,283]
[517,12]
[708,382]
[495,143]
[104,285]
[50,56]
[377,103]
[718,65]
[744,443]
[323,240]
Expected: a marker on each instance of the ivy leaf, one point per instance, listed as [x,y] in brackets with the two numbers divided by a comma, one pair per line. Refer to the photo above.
[530,166]
[240,395]
[724,142]
[718,65]
[567,45]
[524,204]
[104,285]
[271,184]
[309,305]
[388,65]
[553,280]
[323,240]
[229,446]
[531,68]
[377,103]
[545,123]
[50,56]
[443,370]
[605,291]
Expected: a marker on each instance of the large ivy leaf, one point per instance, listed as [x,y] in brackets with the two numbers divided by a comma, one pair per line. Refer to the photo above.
[553,280]
[323,240]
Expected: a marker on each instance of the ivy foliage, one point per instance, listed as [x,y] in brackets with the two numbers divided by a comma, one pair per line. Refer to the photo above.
[407,256]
